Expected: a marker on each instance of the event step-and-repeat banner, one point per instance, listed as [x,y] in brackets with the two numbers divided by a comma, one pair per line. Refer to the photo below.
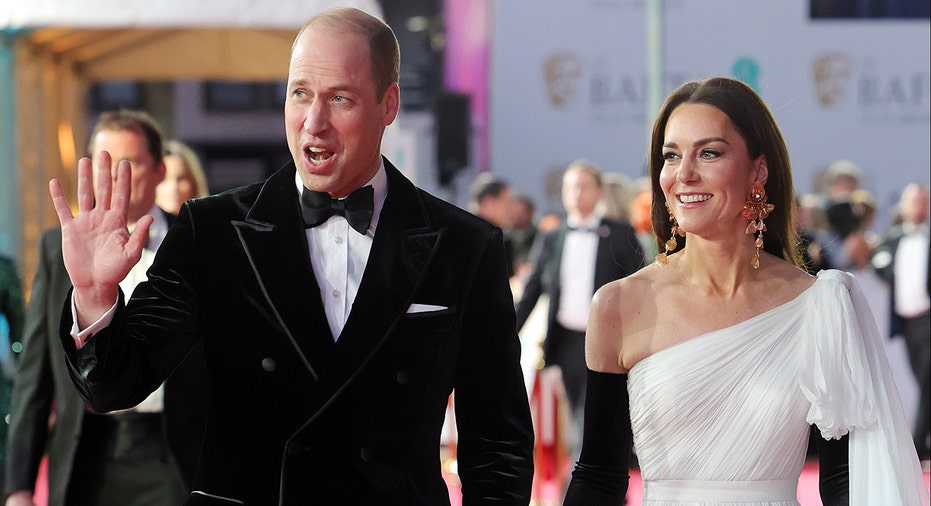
[571,83]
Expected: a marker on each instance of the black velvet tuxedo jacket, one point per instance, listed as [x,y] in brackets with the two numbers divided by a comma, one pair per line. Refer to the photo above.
[42,385]
[619,254]
[296,419]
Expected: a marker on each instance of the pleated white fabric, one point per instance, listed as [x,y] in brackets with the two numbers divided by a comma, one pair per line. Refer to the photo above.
[723,418]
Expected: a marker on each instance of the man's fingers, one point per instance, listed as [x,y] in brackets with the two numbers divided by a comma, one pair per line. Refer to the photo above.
[85,185]
[104,181]
[122,189]
[62,207]
[140,235]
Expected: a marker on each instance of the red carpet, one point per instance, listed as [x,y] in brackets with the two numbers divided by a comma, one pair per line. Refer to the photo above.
[551,496]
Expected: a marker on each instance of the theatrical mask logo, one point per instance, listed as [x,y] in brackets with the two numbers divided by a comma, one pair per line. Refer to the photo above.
[831,72]
[561,73]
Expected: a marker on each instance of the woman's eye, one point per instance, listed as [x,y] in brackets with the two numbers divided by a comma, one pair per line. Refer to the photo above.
[669,155]
[710,153]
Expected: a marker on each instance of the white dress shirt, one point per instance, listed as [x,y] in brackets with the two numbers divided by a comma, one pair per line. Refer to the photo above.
[577,272]
[911,273]
[339,255]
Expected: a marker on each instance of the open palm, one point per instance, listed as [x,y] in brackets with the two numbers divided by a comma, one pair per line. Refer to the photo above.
[97,248]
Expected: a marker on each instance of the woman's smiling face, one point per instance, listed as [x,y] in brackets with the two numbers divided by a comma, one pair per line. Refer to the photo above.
[707,171]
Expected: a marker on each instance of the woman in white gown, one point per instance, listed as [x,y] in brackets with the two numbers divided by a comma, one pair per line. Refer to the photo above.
[725,348]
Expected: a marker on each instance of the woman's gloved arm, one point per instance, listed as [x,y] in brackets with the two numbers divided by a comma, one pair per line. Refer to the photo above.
[834,471]
[601,475]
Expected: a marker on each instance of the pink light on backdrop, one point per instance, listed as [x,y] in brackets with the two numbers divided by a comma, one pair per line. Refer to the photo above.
[466,66]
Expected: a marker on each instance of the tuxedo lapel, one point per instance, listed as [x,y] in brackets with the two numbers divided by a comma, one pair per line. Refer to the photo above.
[272,236]
[401,251]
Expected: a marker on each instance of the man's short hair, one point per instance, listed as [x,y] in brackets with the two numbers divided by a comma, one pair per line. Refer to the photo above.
[486,185]
[139,122]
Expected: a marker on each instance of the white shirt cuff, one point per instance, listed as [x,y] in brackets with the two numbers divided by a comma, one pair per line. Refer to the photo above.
[81,336]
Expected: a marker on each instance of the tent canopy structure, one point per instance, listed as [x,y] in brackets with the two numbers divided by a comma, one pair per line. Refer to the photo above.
[52,52]
[286,14]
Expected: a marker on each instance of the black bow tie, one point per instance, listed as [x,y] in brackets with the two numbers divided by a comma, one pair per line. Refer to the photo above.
[317,207]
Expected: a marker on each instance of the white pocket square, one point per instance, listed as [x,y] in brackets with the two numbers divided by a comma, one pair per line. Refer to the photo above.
[424,308]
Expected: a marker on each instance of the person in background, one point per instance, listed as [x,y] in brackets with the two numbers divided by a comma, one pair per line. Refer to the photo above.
[569,263]
[338,306]
[810,221]
[521,234]
[492,199]
[715,359]
[146,454]
[11,307]
[640,212]
[902,259]
[618,197]
[11,330]
[184,177]
[841,179]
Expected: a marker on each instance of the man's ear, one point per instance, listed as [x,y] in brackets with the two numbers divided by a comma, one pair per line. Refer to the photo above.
[160,170]
[392,100]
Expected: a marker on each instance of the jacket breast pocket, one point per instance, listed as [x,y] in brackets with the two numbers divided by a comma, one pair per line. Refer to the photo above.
[425,339]
[437,320]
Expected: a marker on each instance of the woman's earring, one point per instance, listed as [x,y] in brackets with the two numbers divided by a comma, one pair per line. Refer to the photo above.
[756,209]
[671,243]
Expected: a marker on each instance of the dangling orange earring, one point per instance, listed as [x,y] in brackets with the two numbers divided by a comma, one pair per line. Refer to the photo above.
[756,210]
[671,244]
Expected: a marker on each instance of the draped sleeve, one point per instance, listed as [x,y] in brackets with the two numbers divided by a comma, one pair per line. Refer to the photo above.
[846,378]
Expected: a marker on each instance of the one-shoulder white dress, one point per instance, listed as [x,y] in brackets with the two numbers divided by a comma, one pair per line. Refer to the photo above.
[743,397]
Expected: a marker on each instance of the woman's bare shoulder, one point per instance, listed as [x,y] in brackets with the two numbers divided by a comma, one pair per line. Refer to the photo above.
[784,280]
[618,309]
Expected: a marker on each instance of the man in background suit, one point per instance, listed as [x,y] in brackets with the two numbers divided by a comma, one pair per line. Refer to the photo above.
[904,261]
[569,264]
[492,199]
[338,306]
[144,456]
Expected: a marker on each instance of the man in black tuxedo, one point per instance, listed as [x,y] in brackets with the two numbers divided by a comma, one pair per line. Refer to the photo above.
[903,259]
[569,263]
[332,342]
[146,456]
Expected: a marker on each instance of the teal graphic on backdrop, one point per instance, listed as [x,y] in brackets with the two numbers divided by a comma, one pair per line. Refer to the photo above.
[747,70]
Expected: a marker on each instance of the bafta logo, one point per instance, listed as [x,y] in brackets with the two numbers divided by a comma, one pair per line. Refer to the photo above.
[561,72]
[831,72]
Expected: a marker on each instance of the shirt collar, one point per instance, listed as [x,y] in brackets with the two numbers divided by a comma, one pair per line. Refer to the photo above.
[157,230]
[590,223]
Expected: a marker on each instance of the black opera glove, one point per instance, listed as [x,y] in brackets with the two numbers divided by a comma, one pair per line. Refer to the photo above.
[834,471]
[601,476]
